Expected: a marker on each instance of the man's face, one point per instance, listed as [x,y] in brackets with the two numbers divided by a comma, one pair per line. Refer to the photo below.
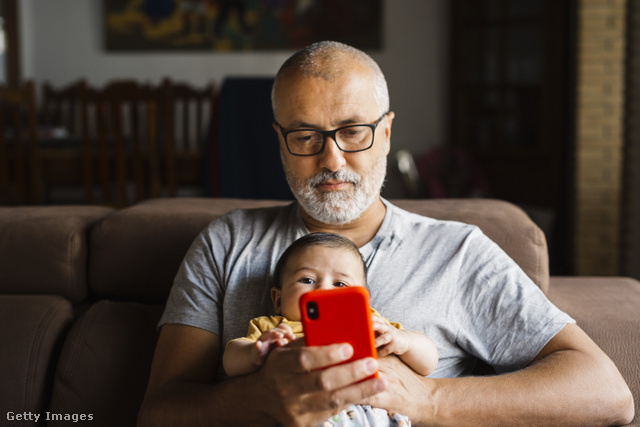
[334,187]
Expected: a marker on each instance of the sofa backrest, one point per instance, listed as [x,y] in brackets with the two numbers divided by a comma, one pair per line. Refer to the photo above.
[135,252]
[43,250]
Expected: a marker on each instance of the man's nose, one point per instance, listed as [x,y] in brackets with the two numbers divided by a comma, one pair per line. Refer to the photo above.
[331,157]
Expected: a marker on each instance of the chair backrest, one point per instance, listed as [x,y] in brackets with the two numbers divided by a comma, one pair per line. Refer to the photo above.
[187,114]
[18,145]
[72,112]
[135,140]
[192,108]
[127,138]
[61,106]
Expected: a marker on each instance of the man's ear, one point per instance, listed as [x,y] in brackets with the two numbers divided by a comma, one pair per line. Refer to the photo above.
[276,297]
[387,131]
[276,128]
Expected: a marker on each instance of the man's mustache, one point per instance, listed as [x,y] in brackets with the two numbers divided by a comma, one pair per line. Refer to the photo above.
[341,175]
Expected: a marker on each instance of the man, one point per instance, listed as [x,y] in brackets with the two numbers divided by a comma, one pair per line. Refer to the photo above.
[445,279]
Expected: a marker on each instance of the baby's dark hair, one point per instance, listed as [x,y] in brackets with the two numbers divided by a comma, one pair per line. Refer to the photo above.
[328,240]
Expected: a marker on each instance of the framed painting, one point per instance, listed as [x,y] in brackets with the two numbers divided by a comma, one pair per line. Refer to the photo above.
[232,25]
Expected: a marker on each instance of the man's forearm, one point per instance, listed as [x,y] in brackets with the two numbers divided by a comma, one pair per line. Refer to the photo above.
[575,386]
[550,392]
[188,404]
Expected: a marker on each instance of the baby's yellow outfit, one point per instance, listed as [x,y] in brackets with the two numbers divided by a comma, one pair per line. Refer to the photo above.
[261,324]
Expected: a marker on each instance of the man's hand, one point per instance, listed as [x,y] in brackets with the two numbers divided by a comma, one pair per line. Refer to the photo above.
[306,388]
[403,385]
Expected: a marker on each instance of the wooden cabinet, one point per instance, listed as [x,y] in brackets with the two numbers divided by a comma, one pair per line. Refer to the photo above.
[512,94]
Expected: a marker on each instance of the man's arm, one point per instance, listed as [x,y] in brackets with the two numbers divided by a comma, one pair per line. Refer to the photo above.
[570,382]
[289,389]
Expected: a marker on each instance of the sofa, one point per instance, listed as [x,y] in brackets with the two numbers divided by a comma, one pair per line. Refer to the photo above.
[82,288]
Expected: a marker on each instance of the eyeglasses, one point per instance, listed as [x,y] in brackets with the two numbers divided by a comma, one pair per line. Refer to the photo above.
[350,139]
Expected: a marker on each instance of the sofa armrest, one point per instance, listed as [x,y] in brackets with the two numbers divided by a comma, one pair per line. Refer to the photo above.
[32,329]
[608,310]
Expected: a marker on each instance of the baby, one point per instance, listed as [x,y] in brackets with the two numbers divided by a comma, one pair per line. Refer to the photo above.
[323,261]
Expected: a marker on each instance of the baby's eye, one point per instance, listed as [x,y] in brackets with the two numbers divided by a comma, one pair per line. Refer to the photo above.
[307,281]
[340,284]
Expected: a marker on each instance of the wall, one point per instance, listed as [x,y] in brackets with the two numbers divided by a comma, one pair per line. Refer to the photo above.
[62,41]
[599,135]
[631,201]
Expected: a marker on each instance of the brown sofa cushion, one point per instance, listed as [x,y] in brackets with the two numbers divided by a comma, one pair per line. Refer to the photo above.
[44,249]
[104,364]
[32,328]
[135,253]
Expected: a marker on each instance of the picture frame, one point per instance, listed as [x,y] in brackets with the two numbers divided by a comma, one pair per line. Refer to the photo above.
[239,25]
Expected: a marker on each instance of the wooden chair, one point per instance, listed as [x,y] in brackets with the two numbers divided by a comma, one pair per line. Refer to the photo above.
[187,115]
[127,135]
[70,111]
[61,107]
[18,145]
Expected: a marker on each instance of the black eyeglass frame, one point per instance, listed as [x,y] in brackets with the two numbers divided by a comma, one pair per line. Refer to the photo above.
[332,134]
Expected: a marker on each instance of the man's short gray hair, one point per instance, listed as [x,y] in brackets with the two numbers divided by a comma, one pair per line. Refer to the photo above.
[328,60]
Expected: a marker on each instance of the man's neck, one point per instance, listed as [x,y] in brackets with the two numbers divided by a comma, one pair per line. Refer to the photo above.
[360,231]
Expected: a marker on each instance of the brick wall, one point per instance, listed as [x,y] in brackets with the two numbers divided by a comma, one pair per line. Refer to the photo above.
[599,135]
[631,196]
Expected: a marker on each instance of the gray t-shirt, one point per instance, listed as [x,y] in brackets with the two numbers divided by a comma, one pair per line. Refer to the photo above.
[443,278]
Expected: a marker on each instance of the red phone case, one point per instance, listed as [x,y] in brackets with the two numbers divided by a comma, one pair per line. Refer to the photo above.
[343,315]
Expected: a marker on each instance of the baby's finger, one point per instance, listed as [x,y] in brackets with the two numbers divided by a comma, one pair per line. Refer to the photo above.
[379,325]
[285,331]
[284,328]
[383,339]
[275,335]
[384,351]
[288,333]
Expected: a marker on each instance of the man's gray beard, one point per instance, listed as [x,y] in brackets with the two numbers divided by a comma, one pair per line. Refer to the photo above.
[338,207]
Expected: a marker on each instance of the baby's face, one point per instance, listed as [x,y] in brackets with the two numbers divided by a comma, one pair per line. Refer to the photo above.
[315,267]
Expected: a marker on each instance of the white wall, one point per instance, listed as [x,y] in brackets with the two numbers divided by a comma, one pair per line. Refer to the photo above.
[62,41]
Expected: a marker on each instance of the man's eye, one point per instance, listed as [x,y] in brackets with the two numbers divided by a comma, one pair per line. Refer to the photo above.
[350,133]
[304,137]
[353,134]
[340,284]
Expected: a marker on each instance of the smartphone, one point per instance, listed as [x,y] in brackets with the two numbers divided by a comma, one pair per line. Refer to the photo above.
[339,315]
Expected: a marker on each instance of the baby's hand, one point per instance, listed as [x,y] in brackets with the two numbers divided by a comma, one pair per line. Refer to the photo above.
[279,336]
[390,339]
